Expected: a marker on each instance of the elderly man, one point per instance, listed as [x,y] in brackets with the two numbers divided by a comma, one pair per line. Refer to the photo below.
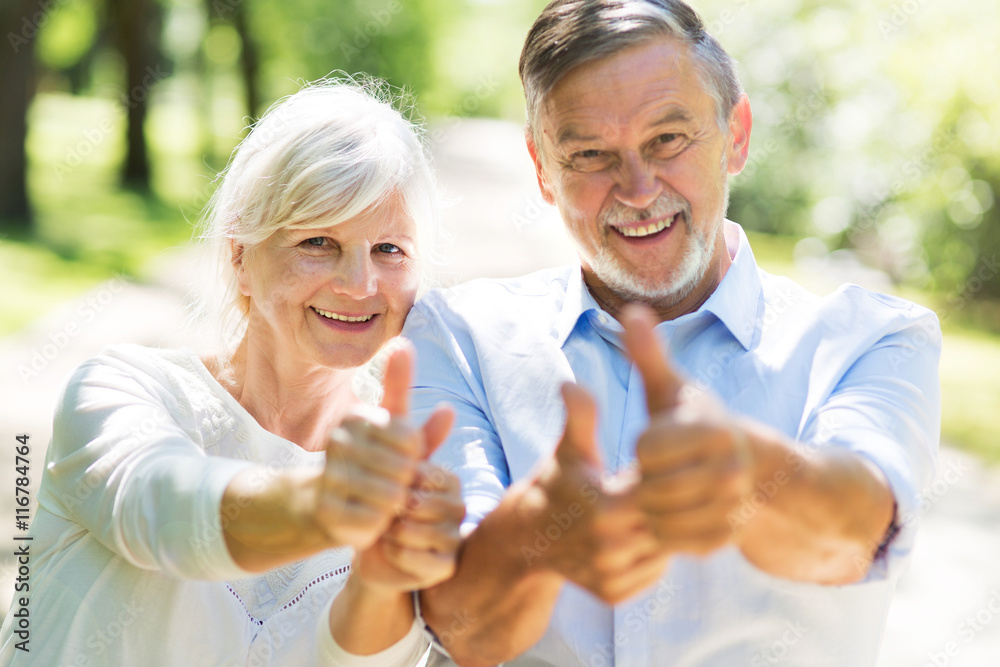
[723,475]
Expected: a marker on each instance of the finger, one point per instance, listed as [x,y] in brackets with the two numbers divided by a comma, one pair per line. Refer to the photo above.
[424,536]
[663,384]
[432,477]
[427,568]
[707,517]
[684,488]
[423,505]
[345,465]
[637,577]
[667,444]
[437,428]
[619,552]
[395,435]
[396,383]
[579,441]
[378,494]
[358,526]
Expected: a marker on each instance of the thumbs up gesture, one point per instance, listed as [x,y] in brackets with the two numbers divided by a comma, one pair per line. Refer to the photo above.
[377,469]
[696,463]
[592,535]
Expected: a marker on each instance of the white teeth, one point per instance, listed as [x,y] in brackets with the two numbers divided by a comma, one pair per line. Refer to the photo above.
[648,229]
[343,318]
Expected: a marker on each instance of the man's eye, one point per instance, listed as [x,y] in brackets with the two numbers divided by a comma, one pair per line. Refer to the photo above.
[669,144]
[388,248]
[591,159]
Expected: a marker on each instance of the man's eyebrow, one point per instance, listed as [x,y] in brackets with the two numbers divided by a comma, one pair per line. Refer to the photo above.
[569,133]
[674,114]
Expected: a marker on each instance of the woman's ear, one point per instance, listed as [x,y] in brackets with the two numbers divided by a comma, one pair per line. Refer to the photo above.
[238,258]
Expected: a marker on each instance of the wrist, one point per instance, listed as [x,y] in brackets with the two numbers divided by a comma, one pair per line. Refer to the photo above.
[366,619]
[266,518]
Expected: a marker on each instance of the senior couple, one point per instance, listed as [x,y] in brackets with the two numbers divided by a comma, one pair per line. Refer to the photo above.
[663,455]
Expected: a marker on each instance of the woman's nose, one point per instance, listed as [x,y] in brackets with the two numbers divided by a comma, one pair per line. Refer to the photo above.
[354,275]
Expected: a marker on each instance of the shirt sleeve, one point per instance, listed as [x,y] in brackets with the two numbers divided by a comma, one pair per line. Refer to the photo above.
[121,466]
[887,408]
[447,372]
[408,651]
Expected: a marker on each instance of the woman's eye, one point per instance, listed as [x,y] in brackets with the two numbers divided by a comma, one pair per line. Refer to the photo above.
[388,248]
[316,241]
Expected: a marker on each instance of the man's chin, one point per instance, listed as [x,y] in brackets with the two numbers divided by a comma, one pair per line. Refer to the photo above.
[658,291]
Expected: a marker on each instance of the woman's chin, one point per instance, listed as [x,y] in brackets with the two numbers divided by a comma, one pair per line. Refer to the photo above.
[346,357]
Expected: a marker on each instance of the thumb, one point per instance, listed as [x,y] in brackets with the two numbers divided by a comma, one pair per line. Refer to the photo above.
[663,384]
[396,382]
[579,439]
[436,428]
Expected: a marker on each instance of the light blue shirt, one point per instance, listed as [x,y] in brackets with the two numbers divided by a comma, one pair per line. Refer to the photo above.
[854,369]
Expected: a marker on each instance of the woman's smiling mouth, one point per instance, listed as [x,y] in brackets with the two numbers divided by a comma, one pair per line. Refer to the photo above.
[330,315]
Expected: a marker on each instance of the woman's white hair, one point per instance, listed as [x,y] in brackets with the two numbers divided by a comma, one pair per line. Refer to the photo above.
[317,158]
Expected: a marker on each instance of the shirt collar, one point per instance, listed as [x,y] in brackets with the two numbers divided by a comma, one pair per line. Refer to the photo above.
[734,301]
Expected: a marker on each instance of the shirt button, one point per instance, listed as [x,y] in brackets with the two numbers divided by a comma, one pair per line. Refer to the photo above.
[603,319]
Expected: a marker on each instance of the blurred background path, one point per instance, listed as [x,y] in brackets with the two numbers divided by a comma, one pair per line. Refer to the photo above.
[947,607]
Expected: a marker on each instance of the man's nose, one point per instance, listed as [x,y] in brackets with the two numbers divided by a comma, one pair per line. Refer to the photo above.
[354,275]
[638,185]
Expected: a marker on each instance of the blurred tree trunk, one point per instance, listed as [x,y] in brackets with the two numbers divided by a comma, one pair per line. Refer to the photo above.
[136,28]
[19,21]
[249,59]
[235,12]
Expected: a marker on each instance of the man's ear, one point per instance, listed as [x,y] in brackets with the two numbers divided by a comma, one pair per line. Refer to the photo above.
[238,258]
[740,124]
[543,184]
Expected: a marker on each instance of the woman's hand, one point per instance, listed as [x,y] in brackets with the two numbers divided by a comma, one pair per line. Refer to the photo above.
[372,461]
[420,549]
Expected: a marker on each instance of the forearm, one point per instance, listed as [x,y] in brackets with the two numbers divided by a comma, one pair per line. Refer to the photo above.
[499,602]
[817,517]
[265,518]
[366,619]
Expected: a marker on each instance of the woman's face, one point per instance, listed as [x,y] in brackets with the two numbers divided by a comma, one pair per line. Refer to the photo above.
[333,295]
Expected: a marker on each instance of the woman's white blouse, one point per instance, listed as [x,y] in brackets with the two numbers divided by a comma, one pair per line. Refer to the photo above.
[128,560]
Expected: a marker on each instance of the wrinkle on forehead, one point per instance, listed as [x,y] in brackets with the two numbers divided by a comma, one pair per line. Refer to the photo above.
[582,106]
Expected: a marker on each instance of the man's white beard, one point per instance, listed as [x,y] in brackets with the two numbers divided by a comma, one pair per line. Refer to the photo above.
[657,289]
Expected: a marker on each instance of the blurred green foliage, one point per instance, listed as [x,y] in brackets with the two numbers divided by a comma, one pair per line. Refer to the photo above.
[877,127]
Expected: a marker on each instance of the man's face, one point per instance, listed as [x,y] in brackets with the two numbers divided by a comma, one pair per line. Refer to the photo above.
[631,153]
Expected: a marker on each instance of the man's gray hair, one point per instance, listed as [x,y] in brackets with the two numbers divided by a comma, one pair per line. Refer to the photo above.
[570,33]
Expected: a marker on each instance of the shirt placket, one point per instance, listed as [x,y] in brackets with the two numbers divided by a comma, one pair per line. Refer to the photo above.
[632,628]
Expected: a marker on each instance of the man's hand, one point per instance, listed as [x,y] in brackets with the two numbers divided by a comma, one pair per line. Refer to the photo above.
[594,536]
[823,516]
[695,462]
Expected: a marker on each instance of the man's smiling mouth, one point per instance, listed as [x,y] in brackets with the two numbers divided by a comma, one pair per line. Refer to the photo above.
[647,230]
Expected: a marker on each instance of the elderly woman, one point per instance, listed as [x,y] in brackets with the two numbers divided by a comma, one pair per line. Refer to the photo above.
[248,508]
